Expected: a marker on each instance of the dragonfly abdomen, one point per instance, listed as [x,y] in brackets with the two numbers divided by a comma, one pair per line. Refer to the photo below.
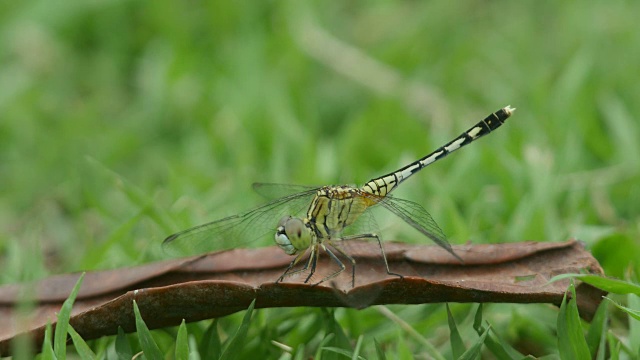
[383,185]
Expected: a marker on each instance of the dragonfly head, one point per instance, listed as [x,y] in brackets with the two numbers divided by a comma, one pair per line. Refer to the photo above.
[292,235]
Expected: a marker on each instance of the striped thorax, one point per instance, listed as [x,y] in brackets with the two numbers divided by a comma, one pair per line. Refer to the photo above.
[332,209]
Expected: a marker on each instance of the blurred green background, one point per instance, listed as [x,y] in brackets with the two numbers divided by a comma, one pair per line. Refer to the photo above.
[124,121]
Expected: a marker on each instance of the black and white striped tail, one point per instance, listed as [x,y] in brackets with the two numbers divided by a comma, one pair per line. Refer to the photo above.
[385,184]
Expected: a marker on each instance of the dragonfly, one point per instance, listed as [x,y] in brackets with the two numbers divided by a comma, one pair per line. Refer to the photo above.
[330,212]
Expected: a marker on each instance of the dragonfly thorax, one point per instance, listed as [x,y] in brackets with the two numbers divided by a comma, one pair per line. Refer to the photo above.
[336,207]
[293,235]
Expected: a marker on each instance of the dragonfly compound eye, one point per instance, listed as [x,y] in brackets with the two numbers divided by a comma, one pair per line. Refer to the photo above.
[298,233]
[282,239]
[283,221]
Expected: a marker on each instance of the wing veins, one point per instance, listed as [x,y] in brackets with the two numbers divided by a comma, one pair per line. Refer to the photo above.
[258,217]
[415,215]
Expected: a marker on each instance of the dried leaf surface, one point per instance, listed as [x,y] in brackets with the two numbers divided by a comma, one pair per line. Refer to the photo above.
[222,283]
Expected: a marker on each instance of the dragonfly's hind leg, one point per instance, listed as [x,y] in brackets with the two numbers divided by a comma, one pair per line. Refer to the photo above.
[342,267]
[377,238]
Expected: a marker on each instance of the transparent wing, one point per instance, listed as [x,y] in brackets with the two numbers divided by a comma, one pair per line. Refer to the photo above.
[237,230]
[276,191]
[415,215]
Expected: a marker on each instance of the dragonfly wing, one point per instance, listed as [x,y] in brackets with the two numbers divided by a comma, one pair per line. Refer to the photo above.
[237,230]
[276,191]
[415,215]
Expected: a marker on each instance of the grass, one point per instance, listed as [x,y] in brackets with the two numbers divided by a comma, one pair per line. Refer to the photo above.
[124,121]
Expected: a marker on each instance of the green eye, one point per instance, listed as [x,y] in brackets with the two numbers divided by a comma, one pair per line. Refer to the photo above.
[284,220]
[294,228]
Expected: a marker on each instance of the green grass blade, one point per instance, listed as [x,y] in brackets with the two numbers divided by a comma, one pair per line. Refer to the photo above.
[614,347]
[234,345]
[403,348]
[327,339]
[500,348]
[356,351]
[602,346]
[182,342]
[211,347]
[634,326]
[47,348]
[624,348]
[340,338]
[60,336]
[148,345]
[431,350]
[474,351]
[571,341]
[336,337]
[300,353]
[123,348]
[635,314]
[346,353]
[598,328]
[194,354]
[457,345]
[611,285]
[379,351]
[101,346]
[81,346]
[477,320]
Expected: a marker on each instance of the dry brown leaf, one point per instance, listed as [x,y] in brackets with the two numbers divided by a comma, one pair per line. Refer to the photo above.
[220,284]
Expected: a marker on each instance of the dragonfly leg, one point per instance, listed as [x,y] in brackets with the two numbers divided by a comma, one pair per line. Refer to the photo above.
[342,267]
[377,238]
[313,260]
[351,260]
[310,263]
[293,263]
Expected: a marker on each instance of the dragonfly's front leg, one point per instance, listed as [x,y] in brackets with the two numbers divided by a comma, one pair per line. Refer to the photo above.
[313,256]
